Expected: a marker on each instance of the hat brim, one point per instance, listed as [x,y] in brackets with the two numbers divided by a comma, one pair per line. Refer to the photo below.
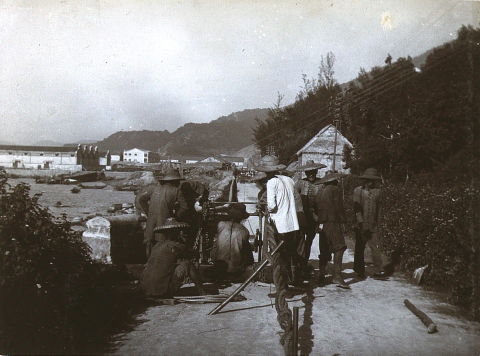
[240,215]
[311,167]
[332,177]
[170,227]
[370,177]
[287,173]
[275,168]
[166,179]
[259,176]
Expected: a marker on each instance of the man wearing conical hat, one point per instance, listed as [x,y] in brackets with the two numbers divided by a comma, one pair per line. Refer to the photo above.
[367,206]
[160,202]
[331,214]
[168,265]
[307,188]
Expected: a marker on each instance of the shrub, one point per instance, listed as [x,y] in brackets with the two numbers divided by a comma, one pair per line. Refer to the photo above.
[51,292]
[438,226]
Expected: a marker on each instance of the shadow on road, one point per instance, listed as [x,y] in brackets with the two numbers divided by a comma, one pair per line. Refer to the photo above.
[305,335]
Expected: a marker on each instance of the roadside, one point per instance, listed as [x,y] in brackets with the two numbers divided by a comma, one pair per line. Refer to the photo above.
[369,319]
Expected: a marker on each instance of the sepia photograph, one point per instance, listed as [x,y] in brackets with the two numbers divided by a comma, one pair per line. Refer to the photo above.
[257,177]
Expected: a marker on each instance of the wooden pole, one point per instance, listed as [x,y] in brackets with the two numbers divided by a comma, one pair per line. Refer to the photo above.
[242,287]
[335,147]
[295,330]
[432,328]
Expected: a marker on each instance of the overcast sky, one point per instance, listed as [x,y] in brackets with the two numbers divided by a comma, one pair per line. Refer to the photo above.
[83,70]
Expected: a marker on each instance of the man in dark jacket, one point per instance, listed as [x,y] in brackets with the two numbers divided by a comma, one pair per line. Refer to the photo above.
[307,188]
[168,264]
[331,214]
[159,202]
[367,206]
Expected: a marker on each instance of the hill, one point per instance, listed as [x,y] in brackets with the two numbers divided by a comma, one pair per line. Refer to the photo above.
[124,140]
[227,134]
[48,143]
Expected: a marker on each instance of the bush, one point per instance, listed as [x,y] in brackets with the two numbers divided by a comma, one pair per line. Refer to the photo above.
[51,293]
[438,226]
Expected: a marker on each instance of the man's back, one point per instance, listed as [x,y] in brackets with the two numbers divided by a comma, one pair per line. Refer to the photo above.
[281,203]
[159,202]
[330,204]
[232,246]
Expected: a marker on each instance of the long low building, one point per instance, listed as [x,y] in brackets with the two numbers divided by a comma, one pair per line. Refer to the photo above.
[59,158]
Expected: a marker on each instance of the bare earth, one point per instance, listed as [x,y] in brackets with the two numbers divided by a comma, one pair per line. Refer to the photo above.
[370,319]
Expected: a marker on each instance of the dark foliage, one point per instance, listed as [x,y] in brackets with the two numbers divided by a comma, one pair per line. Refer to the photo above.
[287,129]
[420,128]
[53,298]
[441,231]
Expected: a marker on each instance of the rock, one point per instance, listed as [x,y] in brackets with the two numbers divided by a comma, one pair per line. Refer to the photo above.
[137,180]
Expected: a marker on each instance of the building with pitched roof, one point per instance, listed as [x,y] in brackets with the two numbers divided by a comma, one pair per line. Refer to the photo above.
[321,149]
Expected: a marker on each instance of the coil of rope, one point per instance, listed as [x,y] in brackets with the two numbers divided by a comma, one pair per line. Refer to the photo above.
[284,314]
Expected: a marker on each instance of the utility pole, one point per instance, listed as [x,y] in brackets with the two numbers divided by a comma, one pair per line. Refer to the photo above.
[335,146]
[336,108]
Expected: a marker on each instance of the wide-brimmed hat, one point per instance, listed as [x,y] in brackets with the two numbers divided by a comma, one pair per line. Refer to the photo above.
[237,210]
[259,176]
[287,173]
[171,174]
[171,223]
[371,173]
[310,165]
[329,177]
[270,164]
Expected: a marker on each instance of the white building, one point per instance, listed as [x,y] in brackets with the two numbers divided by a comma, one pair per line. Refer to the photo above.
[39,157]
[135,155]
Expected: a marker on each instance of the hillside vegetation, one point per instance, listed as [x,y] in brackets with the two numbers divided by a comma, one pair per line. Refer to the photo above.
[420,128]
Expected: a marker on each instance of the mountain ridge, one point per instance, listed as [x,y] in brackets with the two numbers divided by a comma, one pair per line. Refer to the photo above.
[224,135]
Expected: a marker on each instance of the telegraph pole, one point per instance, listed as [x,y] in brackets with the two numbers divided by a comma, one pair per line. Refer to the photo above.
[335,146]
[336,115]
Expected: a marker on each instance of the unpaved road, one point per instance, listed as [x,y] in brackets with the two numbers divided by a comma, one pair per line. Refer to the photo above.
[370,319]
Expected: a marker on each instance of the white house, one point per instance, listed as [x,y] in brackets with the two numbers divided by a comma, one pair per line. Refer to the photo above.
[135,155]
[321,149]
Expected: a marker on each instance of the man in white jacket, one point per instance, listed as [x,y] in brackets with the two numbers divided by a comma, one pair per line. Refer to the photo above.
[281,208]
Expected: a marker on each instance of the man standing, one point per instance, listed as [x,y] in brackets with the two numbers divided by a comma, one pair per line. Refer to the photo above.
[367,206]
[195,194]
[231,252]
[159,202]
[281,208]
[331,214]
[307,188]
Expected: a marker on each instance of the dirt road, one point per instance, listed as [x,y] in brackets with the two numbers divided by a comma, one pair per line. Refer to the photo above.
[370,319]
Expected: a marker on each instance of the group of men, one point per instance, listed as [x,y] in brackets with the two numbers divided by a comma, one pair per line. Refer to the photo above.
[172,208]
[315,205]
[296,211]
